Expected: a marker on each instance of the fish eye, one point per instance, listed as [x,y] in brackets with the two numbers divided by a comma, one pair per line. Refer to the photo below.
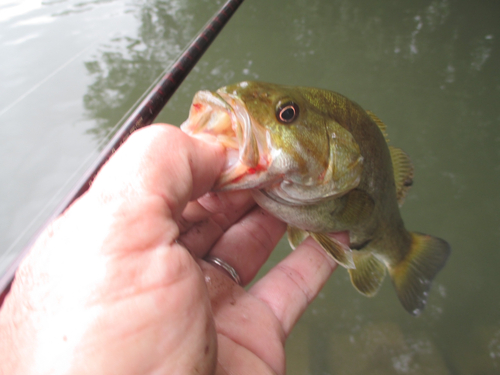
[286,113]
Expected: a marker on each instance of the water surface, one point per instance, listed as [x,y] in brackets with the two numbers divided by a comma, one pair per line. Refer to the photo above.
[429,69]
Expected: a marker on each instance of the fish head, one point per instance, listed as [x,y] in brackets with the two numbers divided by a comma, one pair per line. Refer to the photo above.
[278,140]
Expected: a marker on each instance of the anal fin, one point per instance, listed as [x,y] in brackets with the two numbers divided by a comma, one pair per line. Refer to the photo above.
[412,277]
[369,273]
[340,252]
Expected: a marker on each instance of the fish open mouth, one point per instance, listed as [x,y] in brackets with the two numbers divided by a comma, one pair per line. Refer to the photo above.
[226,118]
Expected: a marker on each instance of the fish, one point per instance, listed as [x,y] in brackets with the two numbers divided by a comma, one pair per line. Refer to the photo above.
[321,163]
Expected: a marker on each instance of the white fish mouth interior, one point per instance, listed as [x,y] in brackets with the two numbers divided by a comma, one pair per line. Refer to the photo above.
[224,117]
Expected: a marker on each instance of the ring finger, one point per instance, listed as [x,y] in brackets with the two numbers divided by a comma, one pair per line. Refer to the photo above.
[246,245]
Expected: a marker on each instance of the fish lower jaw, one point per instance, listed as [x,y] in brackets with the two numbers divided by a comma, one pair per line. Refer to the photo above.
[238,176]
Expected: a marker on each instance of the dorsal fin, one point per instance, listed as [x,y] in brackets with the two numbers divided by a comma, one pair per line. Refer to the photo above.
[380,124]
[403,172]
[401,163]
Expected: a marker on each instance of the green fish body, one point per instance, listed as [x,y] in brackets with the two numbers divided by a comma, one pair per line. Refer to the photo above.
[322,164]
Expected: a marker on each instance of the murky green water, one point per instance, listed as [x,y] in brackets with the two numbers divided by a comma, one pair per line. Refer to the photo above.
[429,69]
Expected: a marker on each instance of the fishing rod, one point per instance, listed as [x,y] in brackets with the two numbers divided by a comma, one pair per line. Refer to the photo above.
[144,115]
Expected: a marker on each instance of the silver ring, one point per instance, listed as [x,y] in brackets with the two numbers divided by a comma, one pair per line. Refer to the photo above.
[230,270]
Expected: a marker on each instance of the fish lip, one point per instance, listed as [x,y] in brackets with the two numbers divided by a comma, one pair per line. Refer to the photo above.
[247,172]
[207,116]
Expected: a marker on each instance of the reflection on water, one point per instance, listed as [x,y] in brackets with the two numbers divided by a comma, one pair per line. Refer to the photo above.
[128,65]
[494,345]
[11,9]
[382,348]
[429,70]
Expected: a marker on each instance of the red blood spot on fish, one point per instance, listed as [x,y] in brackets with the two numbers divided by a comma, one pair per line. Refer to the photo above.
[237,178]
[197,106]
[258,168]
[250,171]
[321,177]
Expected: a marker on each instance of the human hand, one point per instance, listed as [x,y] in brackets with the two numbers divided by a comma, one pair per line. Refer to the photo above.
[109,287]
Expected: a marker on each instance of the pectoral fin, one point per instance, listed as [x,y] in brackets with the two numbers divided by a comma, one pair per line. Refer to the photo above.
[412,277]
[340,252]
[403,173]
[295,236]
[369,273]
[358,206]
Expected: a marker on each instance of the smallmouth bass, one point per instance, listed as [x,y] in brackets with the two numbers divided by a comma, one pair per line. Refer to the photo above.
[322,164]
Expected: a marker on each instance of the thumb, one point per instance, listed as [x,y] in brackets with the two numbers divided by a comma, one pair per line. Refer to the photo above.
[161,160]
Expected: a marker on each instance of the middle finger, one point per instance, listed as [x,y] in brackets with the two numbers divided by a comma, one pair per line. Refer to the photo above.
[204,221]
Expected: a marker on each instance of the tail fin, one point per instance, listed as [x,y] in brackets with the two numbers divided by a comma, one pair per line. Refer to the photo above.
[413,276]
